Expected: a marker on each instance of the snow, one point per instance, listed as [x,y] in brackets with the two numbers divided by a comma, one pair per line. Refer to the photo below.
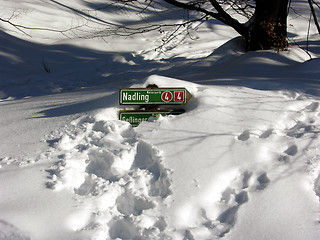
[242,162]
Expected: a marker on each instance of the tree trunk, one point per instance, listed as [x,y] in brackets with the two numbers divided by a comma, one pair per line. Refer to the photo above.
[268,26]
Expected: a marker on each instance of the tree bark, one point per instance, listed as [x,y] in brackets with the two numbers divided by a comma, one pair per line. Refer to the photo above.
[314,15]
[268,27]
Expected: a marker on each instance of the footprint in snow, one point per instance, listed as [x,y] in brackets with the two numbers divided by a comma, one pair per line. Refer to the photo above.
[263,181]
[266,133]
[303,127]
[235,195]
[107,162]
[228,217]
[290,151]
[313,106]
[232,198]
[244,136]
[298,130]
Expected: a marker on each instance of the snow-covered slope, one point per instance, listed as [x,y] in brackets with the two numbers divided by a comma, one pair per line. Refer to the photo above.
[242,162]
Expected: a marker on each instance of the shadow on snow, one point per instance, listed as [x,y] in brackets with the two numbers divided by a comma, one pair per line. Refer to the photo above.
[32,69]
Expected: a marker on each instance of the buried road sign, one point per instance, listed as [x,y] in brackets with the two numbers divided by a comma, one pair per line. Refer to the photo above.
[150,99]
[156,96]
[135,117]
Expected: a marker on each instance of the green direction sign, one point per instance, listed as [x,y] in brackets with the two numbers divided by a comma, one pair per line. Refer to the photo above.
[135,117]
[156,96]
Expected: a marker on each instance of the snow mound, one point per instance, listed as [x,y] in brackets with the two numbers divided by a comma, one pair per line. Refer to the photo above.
[240,163]
[187,176]
[220,174]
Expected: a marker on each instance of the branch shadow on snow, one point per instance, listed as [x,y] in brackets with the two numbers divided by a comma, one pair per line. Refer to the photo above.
[150,14]
[82,13]
[33,69]
[259,70]
[230,65]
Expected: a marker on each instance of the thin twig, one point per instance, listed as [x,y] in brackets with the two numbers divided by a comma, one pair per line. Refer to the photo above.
[314,16]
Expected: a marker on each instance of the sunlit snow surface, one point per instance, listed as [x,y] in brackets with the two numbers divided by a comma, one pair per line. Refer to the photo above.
[242,162]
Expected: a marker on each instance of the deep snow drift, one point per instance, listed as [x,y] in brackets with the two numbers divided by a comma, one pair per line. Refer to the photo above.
[242,162]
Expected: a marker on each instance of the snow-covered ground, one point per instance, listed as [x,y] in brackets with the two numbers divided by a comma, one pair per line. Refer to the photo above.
[243,161]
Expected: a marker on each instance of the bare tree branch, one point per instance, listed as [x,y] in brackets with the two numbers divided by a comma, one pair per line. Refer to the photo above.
[227,19]
[258,31]
[317,4]
[220,15]
[314,15]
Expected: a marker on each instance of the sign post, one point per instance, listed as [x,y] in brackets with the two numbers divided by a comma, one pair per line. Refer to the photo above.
[151,99]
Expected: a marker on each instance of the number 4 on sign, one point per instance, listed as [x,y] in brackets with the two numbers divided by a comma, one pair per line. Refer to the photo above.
[178,96]
[166,96]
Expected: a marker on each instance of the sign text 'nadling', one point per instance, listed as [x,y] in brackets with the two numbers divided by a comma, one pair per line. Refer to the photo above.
[153,97]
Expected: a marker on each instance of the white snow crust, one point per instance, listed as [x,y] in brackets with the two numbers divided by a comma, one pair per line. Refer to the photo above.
[242,162]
